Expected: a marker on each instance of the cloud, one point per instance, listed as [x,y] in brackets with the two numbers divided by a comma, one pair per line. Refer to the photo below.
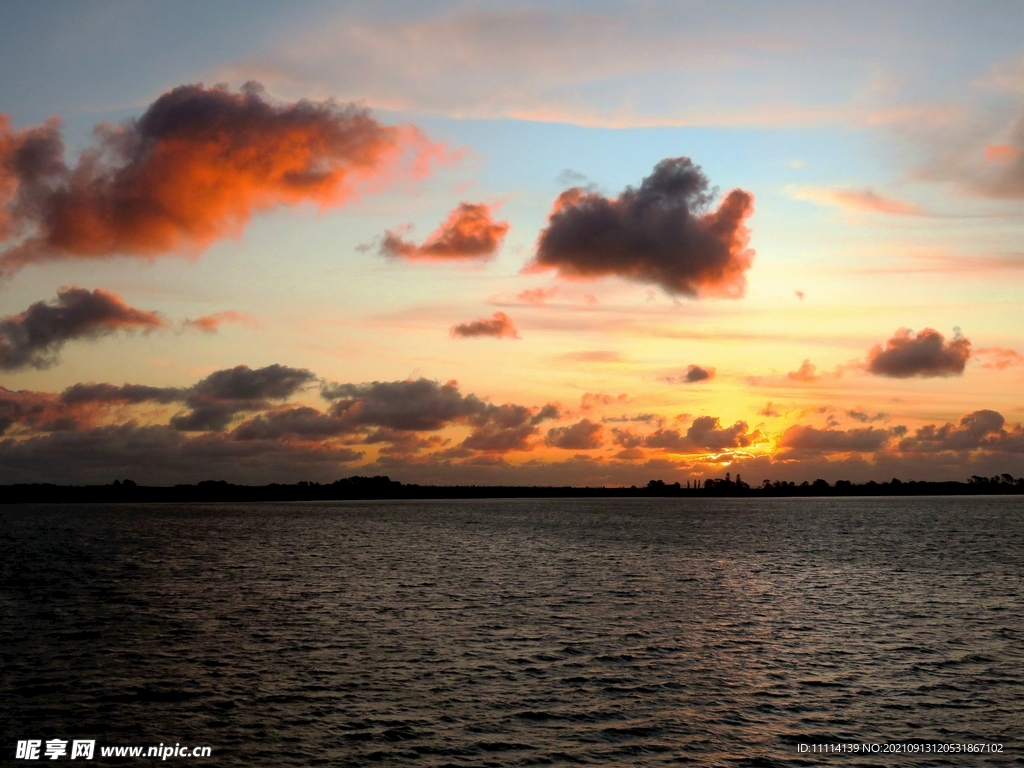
[192,169]
[806,372]
[500,326]
[584,435]
[978,430]
[593,356]
[302,422]
[926,354]
[215,400]
[704,434]
[645,418]
[860,201]
[999,358]
[801,439]
[470,232]
[29,408]
[537,296]
[601,66]
[661,233]
[864,417]
[769,411]
[505,428]
[404,405]
[695,373]
[33,338]
[126,394]
[157,455]
[591,400]
[212,323]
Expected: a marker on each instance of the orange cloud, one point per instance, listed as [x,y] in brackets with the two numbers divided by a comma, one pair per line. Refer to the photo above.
[806,372]
[211,323]
[500,326]
[192,169]
[1000,153]
[1000,358]
[470,232]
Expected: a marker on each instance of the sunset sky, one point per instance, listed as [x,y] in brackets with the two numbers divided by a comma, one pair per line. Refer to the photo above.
[551,243]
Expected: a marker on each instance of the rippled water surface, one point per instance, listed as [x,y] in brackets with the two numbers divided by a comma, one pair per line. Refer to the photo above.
[521,632]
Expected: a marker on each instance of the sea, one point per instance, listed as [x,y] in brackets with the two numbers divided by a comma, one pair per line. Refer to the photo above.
[530,632]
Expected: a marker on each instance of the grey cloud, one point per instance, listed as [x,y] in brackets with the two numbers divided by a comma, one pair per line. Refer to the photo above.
[404,405]
[982,429]
[158,455]
[215,400]
[926,354]
[33,338]
[584,435]
[127,393]
[661,233]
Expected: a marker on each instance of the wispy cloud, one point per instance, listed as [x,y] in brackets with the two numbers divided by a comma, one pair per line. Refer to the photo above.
[859,201]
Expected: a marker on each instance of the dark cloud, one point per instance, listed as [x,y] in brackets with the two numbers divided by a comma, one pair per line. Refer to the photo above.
[662,233]
[26,408]
[158,455]
[926,354]
[509,427]
[627,438]
[301,423]
[215,400]
[193,168]
[33,338]
[982,429]
[584,435]
[500,326]
[641,417]
[696,373]
[404,405]
[864,417]
[704,434]
[127,394]
[769,411]
[806,439]
[470,232]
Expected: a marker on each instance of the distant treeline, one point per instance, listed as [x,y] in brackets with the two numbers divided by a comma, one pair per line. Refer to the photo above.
[381,487]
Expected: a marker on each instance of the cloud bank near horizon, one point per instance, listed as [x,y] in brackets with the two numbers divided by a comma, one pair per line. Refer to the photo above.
[256,426]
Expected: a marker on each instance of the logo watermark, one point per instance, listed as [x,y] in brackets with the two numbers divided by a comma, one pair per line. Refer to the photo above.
[85,749]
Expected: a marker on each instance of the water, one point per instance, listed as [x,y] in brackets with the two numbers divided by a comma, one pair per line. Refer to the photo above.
[520,632]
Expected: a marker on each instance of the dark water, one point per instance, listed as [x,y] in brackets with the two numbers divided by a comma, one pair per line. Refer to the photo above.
[507,633]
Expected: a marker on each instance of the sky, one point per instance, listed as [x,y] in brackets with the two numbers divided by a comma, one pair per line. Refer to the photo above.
[511,243]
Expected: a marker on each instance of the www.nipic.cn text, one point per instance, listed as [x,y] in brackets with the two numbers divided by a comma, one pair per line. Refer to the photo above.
[85,749]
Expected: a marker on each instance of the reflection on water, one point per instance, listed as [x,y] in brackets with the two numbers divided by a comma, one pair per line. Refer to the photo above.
[529,632]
